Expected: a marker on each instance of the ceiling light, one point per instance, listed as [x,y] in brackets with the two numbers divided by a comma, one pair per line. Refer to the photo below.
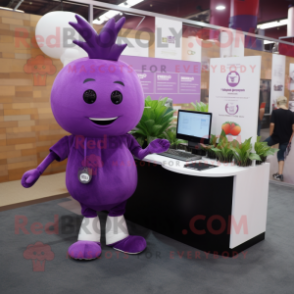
[112,13]
[130,3]
[268,42]
[10,9]
[106,16]
[220,7]
[273,24]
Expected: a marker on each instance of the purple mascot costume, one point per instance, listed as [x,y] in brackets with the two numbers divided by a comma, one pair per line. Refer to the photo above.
[99,99]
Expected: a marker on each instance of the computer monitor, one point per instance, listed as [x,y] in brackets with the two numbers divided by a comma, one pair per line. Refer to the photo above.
[195,127]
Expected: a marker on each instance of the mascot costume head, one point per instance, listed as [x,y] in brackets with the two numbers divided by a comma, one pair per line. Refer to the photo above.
[99,99]
[99,87]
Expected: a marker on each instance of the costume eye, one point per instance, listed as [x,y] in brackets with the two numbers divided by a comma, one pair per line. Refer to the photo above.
[116,97]
[89,96]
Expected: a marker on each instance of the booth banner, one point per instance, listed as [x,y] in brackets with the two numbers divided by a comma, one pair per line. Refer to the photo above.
[175,79]
[234,96]
[278,79]
[136,47]
[192,49]
[232,43]
[168,38]
[291,87]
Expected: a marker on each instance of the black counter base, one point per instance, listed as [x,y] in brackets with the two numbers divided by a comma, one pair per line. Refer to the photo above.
[193,210]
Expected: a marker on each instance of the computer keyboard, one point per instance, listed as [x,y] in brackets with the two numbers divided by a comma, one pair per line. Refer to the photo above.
[180,155]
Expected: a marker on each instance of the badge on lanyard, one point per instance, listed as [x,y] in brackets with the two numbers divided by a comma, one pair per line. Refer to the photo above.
[85,173]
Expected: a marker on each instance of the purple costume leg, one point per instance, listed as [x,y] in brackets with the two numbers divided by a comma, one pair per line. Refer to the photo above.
[88,245]
[129,244]
[88,248]
[88,212]
[85,250]
[118,210]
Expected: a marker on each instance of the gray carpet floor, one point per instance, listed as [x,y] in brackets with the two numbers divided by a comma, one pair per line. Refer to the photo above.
[166,267]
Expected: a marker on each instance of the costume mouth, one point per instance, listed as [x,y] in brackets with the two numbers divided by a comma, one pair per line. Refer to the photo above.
[103,121]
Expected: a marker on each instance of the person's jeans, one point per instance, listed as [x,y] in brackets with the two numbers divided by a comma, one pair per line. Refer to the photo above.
[283,146]
[258,127]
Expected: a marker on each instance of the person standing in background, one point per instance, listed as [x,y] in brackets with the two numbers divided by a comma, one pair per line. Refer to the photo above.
[281,130]
[263,98]
[260,117]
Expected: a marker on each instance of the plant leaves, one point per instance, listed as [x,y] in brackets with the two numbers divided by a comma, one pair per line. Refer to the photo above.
[199,106]
[149,124]
[140,140]
[155,121]
[254,156]
[262,148]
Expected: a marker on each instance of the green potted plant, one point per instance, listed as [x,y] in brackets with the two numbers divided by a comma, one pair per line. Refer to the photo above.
[242,153]
[200,107]
[171,136]
[263,150]
[223,150]
[208,148]
[155,120]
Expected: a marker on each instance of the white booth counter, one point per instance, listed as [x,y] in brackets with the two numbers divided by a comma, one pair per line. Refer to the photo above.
[222,170]
[222,209]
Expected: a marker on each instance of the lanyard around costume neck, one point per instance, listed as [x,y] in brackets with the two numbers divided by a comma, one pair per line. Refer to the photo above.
[85,151]
[85,174]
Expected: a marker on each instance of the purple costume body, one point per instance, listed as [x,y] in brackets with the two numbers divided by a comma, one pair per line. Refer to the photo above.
[114,174]
[98,100]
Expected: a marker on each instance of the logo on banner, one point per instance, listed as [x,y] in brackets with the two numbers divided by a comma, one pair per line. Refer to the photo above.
[168,39]
[191,52]
[232,108]
[278,88]
[233,79]
[142,76]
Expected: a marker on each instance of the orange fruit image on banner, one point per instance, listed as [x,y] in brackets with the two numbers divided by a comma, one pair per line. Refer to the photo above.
[226,128]
[231,128]
[236,131]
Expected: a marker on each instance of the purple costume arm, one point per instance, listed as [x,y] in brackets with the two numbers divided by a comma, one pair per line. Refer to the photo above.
[59,152]
[156,146]
[46,162]
[31,176]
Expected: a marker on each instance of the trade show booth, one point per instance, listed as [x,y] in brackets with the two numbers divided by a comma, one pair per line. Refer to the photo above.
[178,65]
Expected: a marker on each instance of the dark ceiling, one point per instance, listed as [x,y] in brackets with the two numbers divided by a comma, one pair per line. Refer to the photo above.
[181,8]
[172,7]
[268,9]
[195,9]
